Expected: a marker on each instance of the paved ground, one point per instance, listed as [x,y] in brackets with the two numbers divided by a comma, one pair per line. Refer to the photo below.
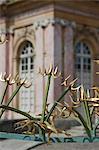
[70,146]
[16,145]
[24,145]
[28,145]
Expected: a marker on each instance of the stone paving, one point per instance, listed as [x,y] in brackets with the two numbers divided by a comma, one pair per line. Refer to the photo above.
[16,144]
[25,145]
[12,144]
[69,146]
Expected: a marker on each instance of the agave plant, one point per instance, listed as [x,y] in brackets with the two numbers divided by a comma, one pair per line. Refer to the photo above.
[89,101]
[89,109]
[46,120]
[9,80]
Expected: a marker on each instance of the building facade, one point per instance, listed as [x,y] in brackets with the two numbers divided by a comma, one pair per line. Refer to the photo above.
[40,33]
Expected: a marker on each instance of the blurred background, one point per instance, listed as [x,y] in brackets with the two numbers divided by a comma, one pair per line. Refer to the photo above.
[64,33]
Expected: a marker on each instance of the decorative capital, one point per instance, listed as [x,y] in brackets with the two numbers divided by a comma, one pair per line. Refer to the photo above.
[6,31]
[53,21]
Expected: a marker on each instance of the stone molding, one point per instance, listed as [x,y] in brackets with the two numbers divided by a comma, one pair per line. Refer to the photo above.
[25,31]
[53,21]
[87,31]
[6,31]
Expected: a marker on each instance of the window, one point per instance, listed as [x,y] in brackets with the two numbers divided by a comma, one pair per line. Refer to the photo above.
[83,67]
[26,95]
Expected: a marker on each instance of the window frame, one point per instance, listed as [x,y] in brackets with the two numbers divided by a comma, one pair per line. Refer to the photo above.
[28,74]
[82,63]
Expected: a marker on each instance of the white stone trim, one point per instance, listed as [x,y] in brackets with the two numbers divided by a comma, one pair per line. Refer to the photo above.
[6,31]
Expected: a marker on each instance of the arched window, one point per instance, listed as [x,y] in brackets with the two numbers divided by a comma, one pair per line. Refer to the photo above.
[26,95]
[83,67]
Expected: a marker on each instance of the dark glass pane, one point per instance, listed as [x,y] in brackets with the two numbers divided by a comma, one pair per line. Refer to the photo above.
[31,45]
[31,59]
[84,66]
[27,44]
[84,60]
[22,61]
[86,49]
[26,67]
[26,60]
[22,52]
[26,51]
[22,67]
[31,50]
[78,47]
[31,66]
[79,66]
[89,67]
[89,61]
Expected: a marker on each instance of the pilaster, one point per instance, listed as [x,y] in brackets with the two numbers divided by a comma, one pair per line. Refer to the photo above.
[54,45]
[39,62]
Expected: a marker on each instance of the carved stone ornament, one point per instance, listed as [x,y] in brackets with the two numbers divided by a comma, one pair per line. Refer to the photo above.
[24,32]
[45,22]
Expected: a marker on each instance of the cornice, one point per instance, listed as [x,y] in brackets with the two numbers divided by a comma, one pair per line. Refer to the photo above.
[90,9]
[77,11]
[24,6]
[34,13]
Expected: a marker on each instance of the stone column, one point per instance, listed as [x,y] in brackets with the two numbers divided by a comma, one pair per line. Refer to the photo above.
[2,67]
[49,57]
[2,55]
[44,50]
[57,57]
[68,54]
[39,62]
[54,45]
[10,64]
[63,52]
